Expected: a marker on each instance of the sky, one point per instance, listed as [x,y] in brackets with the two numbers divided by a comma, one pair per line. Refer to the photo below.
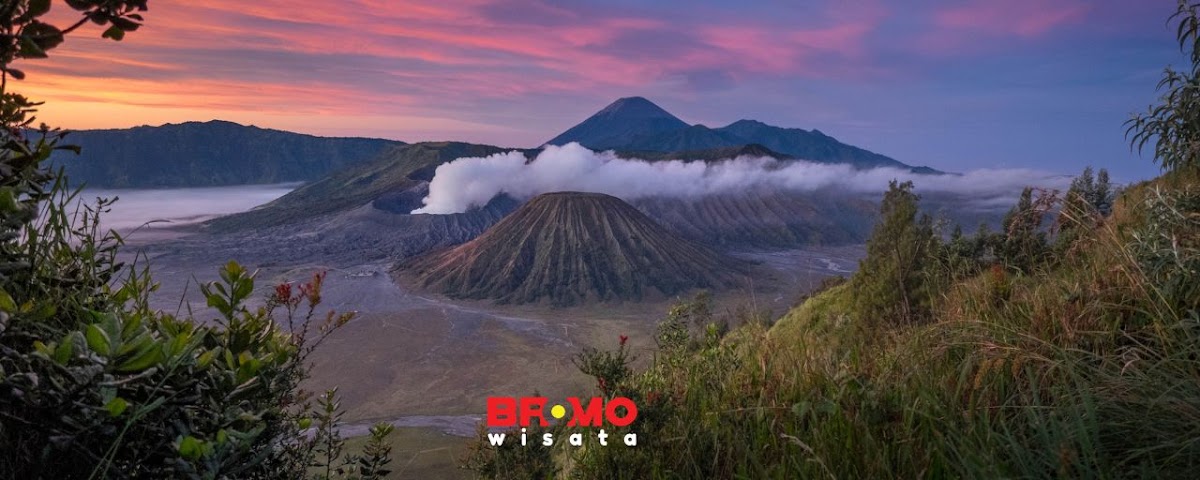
[956,85]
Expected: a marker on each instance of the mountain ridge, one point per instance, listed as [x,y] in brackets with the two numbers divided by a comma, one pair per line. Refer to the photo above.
[624,126]
[211,153]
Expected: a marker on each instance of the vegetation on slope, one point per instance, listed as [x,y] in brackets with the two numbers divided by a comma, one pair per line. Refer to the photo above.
[95,384]
[1084,365]
[1061,350]
[567,248]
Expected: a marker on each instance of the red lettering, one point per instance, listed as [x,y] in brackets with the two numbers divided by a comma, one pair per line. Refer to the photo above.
[586,417]
[610,412]
[531,407]
[501,412]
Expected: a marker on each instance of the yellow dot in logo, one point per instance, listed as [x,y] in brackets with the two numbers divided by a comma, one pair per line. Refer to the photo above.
[558,411]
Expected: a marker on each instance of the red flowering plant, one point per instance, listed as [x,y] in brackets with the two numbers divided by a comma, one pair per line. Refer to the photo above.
[298,319]
[610,368]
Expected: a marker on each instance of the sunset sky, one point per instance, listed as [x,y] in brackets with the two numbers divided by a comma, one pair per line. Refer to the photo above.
[952,84]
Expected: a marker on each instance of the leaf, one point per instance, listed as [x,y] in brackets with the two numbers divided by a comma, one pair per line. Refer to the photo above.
[145,358]
[6,303]
[80,5]
[114,32]
[8,200]
[124,24]
[63,353]
[243,289]
[206,358]
[37,8]
[30,48]
[190,448]
[46,36]
[218,303]
[97,340]
[116,406]
[134,345]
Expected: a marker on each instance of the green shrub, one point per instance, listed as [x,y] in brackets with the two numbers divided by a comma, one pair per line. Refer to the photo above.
[96,384]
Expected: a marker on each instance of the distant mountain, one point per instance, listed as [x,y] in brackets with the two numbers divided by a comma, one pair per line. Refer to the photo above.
[617,125]
[638,125]
[568,248]
[695,137]
[809,145]
[195,154]
[395,181]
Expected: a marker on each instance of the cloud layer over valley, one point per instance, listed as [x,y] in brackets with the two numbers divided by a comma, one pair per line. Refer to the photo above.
[467,182]
[179,206]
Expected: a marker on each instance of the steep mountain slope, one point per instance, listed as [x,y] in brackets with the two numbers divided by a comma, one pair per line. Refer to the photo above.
[195,154]
[568,248]
[395,182]
[618,124]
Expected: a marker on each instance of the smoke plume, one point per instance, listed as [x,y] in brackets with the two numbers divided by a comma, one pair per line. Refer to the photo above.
[469,182]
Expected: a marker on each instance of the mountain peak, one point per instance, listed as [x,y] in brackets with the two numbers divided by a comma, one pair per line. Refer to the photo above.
[620,122]
[635,124]
[748,123]
[635,106]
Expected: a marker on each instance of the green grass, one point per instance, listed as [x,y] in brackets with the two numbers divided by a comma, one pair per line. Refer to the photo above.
[1087,367]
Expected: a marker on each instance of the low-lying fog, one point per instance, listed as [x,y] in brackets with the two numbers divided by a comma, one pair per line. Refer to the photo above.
[473,181]
[179,206]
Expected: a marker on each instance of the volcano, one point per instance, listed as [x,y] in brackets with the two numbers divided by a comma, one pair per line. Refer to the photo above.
[569,248]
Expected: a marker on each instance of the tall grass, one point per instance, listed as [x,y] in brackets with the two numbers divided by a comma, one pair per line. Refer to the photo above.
[1086,367]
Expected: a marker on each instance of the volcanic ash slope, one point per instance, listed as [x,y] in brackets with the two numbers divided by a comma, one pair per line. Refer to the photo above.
[568,248]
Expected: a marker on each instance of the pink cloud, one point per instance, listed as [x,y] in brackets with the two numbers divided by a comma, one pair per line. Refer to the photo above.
[1024,18]
[430,57]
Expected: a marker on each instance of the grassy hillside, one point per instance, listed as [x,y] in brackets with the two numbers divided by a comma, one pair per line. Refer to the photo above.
[1083,363]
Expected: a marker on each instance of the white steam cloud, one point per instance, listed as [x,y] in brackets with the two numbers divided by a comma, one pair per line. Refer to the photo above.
[473,181]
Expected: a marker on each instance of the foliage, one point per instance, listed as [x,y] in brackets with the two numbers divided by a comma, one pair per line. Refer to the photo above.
[511,461]
[1174,124]
[610,369]
[1024,243]
[675,333]
[1167,248]
[890,285]
[1087,202]
[96,384]
[25,35]
[328,447]
[1081,368]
